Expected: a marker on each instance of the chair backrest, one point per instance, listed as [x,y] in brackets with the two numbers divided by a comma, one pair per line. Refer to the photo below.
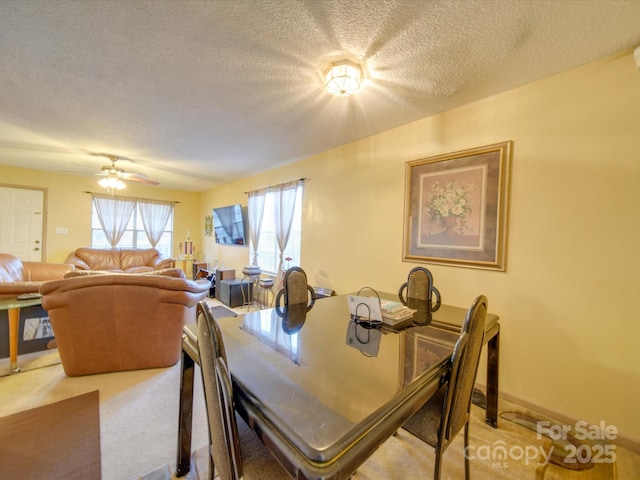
[95,334]
[464,367]
[296,289]
[419,287]
[223,430]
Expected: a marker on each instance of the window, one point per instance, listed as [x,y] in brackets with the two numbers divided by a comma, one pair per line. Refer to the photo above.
[268,255]
[134,235]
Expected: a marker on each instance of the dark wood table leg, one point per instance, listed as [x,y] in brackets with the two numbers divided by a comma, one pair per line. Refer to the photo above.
[493,364]
[185,420]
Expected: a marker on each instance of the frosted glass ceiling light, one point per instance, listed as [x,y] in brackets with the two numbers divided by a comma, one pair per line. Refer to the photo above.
[112,182]
[343,78]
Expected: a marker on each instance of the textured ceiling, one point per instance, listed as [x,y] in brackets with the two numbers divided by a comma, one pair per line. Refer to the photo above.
[199,93]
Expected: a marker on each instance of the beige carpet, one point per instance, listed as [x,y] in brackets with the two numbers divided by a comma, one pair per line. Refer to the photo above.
[56,441]
[30,361]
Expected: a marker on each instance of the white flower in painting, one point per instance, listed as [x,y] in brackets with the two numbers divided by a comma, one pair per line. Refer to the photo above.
[450,200]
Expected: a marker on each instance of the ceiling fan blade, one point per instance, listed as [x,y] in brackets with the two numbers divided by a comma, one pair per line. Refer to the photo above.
[119,172]
[146,181]
[128,176]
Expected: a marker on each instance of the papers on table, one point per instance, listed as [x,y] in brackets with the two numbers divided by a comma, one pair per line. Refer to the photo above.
[375,310]
[365,308]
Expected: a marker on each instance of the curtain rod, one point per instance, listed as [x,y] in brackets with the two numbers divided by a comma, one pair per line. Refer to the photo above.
[137,198]
[271,186]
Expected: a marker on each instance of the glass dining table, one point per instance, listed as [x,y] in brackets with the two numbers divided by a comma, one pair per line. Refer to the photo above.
[320,390]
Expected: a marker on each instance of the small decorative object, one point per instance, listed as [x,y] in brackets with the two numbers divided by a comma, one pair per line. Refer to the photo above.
[252,271]
[188,247]
[456,208]
[285,267]
[208,225]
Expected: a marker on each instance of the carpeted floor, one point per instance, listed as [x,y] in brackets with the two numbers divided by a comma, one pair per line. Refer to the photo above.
[220,311]
[30,361]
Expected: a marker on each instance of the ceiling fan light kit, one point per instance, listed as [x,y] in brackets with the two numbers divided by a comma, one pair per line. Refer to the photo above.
[114,177]
[111,182]
[343,78]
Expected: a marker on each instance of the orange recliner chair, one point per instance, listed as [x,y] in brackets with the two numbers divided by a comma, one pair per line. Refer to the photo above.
[115,322]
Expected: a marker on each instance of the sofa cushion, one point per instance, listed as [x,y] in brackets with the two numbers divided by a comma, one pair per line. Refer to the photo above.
[98,259]
[138,260]
[118,260]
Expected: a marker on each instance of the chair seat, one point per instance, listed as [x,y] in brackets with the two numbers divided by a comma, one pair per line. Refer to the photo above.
[425,422]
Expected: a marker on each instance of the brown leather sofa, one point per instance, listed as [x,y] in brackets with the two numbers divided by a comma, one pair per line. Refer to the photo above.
[18,277]
[123,260]
[116,322]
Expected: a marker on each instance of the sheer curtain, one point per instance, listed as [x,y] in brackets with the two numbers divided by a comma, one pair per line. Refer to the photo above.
[256,212]
[284,204]
[114,214]
[155,215]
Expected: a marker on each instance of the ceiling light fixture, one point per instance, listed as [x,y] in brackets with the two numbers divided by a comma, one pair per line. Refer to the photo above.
[112,182]
[343,78]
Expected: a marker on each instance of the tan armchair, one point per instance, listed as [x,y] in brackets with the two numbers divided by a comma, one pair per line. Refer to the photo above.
[115,322]
[18,277]
[127,260]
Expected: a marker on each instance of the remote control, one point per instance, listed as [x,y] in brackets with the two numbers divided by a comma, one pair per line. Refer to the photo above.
[28,296]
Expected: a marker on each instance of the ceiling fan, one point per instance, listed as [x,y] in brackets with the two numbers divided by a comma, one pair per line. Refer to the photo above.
[114,176]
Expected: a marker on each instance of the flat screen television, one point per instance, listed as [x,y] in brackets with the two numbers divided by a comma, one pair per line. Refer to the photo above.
[228,224]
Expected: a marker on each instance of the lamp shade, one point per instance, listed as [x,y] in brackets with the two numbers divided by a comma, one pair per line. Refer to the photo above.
[343,78]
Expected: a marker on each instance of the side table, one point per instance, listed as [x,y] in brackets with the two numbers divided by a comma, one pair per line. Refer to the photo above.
[13,306]
[186,265]
[265,292]
[251,276]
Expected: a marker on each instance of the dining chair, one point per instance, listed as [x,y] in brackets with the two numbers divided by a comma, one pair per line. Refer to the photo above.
[443,416]
[420,291]
[235,451]
[296,289]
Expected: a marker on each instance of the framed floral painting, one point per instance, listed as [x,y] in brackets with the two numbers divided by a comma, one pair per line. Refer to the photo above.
[456,208]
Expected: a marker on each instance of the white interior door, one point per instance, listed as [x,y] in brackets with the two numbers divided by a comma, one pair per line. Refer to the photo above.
[22,223]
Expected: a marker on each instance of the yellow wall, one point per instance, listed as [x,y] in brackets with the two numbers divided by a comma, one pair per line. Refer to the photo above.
[68,206]
[567,301]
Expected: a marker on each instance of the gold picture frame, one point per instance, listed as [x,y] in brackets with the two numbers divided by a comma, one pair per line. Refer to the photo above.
[456,208]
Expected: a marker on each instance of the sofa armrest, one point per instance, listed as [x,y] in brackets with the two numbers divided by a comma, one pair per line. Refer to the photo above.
[76,261]
[39,271]
[13,289]
[161,263]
